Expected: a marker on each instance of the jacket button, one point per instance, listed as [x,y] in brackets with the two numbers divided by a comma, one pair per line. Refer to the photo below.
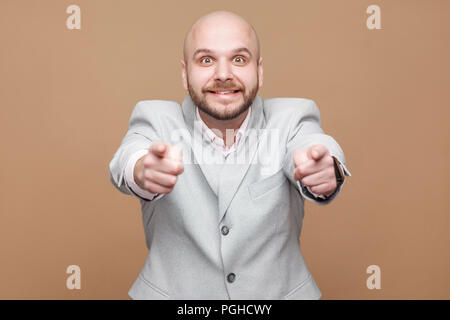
[231,277]
[225,230]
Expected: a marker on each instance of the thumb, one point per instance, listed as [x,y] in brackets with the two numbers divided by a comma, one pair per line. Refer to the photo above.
[174,152]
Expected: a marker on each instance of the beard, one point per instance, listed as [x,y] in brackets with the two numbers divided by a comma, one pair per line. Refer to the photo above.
[203,105]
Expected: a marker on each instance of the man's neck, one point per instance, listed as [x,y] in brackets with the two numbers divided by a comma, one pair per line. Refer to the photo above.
[219,127]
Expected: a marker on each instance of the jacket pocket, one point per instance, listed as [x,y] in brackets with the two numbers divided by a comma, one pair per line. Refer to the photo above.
[267,184]
[306,290]
[143,289]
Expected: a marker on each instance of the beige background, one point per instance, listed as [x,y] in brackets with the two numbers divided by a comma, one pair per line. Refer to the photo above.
[66,97]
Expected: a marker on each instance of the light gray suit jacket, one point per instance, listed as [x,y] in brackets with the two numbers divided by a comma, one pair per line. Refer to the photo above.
[191,255]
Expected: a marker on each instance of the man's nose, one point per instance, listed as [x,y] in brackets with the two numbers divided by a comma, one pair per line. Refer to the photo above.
[223,71]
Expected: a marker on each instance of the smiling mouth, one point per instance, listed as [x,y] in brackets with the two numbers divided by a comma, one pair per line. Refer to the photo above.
[225,95]
[225,91]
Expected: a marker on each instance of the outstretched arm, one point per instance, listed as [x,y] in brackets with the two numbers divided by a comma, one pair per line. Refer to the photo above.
[311,172]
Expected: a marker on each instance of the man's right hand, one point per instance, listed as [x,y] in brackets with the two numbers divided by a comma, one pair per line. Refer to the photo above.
[158,170]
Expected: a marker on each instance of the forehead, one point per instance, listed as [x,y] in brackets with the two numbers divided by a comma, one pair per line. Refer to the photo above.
[221,37]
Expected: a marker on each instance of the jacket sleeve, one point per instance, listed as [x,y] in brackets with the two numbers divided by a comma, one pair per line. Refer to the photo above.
[142,131]
[305,131]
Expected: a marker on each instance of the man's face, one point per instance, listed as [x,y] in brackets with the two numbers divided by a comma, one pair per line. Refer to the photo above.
[221,70]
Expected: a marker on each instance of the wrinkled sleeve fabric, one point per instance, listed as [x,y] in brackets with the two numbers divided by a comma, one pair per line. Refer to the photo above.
[305,131]
[129,177]
[321,198]
[142,131]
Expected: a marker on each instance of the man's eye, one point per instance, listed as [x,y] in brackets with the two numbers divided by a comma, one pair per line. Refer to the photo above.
[239,59]
[205,58]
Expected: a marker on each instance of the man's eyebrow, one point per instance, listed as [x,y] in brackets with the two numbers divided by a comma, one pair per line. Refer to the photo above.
[205,50]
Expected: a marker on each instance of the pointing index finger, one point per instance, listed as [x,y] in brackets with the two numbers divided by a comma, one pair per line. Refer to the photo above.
[317,152]
[158,148]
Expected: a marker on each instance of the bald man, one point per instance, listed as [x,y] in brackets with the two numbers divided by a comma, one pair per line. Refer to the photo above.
[222,179]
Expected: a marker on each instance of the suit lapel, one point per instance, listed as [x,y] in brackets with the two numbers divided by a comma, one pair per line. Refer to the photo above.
[232,172]
[195,132]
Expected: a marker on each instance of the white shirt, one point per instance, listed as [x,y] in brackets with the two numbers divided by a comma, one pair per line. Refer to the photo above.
[218,141]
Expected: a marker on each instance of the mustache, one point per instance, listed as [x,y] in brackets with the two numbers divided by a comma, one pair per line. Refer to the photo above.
[220,88]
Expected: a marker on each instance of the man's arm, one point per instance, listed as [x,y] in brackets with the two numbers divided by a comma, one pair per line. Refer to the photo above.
[305,131]
[142,131]
[340,173]
[133,170]
[136,162]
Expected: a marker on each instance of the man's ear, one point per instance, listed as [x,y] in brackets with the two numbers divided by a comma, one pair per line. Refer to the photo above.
[183,75]
[260,72]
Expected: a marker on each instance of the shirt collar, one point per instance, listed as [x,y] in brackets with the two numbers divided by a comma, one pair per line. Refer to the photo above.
[218,140]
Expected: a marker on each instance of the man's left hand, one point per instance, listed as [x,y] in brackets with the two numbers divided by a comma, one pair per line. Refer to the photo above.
[314,166]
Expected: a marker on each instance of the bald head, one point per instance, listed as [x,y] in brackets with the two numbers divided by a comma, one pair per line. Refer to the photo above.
[214,24]
[221,67]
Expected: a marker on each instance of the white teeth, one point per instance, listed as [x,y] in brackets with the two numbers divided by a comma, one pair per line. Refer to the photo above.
[224,92]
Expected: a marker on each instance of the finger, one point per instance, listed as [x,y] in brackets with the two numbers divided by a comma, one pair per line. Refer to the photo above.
[317,152]
[161,178]
[155,188]
[165,165]
[297,174]
[306,168]
[323,176]
[324,189]
[158,148]
[300,156]
[311,166]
